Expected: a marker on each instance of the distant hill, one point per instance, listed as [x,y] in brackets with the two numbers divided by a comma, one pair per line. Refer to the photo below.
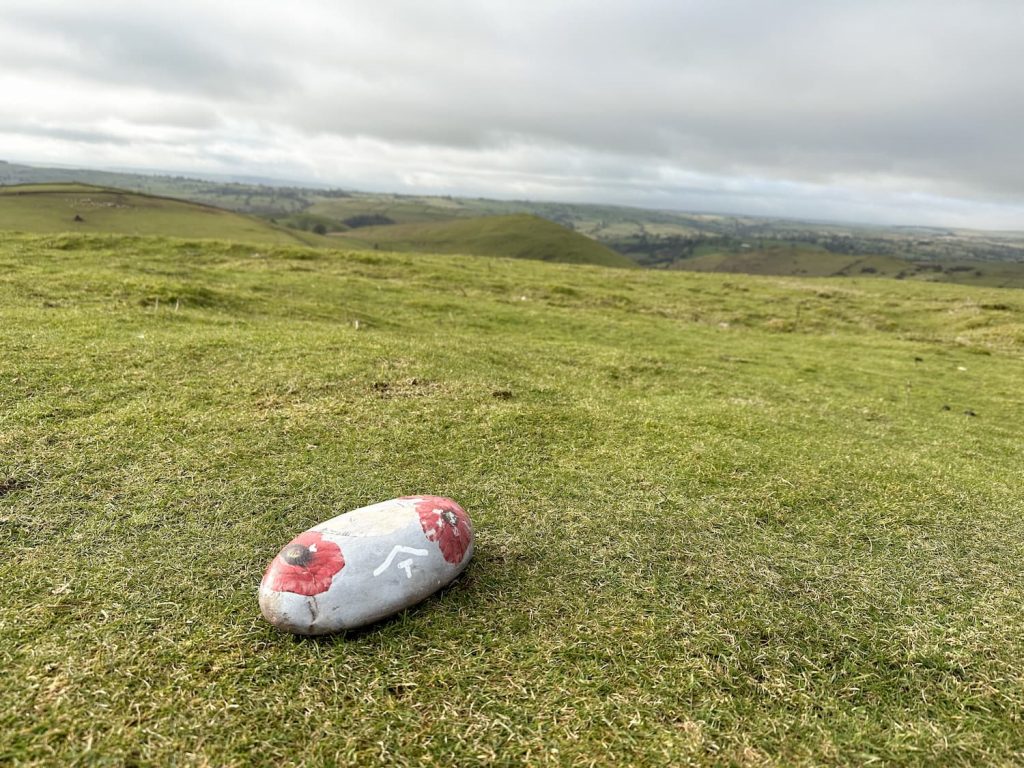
[812,261]
[48,208]
[789,259]
[520,236]
[77,207]
[650,238]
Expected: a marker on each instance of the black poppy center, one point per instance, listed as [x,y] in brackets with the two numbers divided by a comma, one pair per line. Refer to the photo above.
[296,554]
[450,517]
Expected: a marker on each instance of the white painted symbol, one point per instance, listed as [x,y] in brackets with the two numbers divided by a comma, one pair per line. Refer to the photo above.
[405,565]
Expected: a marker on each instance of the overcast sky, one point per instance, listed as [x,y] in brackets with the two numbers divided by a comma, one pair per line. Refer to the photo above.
[875,110]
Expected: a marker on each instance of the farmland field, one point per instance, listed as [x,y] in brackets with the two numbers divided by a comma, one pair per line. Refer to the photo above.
[721,519]
[51,208]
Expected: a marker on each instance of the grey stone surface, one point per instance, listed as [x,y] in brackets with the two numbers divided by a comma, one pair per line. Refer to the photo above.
[365,565]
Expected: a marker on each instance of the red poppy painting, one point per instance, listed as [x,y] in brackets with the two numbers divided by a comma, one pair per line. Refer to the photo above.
[446,523]
[306,566]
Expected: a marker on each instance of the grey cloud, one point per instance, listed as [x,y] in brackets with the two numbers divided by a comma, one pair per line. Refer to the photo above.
[138,46]
[911,93]
[83,136]
[789,90]
[184,116]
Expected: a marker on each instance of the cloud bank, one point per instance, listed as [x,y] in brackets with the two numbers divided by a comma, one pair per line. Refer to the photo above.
[898,111]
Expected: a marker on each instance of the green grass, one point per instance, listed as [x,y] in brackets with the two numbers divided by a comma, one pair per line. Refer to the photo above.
[800,259]
[519,236]
[403,209]
[721,519]
[53,208]
[50,208]
[781,259]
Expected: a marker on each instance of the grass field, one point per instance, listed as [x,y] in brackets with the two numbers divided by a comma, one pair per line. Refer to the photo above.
[721,519]
[519,236]
[402,209]
[49,208]
[805,260]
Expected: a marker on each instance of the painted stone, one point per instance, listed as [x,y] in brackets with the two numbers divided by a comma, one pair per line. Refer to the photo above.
[365,565]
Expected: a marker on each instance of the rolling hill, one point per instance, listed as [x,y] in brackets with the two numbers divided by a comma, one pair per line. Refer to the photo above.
[72,207]
[521,236]
[654,238]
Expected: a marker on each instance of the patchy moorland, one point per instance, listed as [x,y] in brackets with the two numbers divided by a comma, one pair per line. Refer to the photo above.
[721,519]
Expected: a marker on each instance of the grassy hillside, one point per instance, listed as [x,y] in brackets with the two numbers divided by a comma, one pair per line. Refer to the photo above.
[54,208]
[49,208]
[246,197]
[813,261]
[520,237]
[788,259]
[721,519]
[402,209]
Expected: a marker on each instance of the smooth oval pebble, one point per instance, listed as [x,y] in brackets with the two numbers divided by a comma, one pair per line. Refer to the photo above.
[365,565]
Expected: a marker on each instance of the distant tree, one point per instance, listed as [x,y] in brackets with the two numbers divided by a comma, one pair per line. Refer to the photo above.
[319,229]
[368,220]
